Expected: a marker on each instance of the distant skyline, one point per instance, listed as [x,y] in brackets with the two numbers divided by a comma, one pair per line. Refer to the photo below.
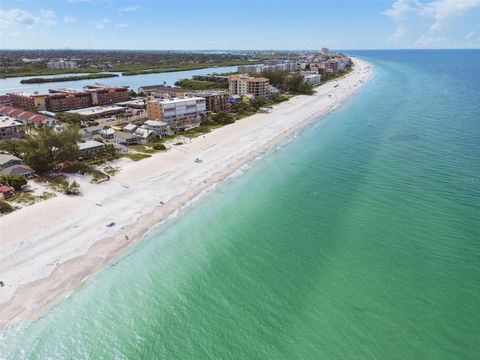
[236,25]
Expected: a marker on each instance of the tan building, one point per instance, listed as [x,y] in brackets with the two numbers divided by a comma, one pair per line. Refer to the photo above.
[215,101]
[27,101]
[177,113]
[243,85]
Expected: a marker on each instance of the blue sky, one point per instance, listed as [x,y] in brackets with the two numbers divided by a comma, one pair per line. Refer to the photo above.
[287,24]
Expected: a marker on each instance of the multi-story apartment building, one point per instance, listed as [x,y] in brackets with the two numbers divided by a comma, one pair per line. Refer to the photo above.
[104,95]
[178,113]
[67,99]
[243,85]
[314,79]
[250,69]
[10,128]
[215,100]
[28,101]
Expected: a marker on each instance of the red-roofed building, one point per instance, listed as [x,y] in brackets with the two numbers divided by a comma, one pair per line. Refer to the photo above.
[6,191]
[28,117]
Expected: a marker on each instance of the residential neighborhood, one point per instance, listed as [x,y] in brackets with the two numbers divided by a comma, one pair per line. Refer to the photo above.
[101,123]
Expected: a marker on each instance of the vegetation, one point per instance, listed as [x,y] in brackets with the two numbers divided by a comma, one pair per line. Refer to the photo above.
[201,85]
[16,181]
[223,118]
[5,207]
[29,198]
[159,147]
[136,157]
[174,67]
[66,78]
[348,69]
[287,82]
[13,147]
[70,118]
[45,149]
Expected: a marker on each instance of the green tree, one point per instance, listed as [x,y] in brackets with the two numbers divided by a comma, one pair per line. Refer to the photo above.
[17,181]
[46,148]
[13,147]
[223,118]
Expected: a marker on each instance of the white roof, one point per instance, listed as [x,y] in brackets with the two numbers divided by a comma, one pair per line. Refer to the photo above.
[155,123]
[96,110]
[90,144]
[7,121]
[144,133]
[179,100]
[130,127]
[6,157]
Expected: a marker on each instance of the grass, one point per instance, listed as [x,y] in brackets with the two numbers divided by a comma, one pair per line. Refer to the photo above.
[111,170]
[29,198]
[86,168]
[201,85]
[137,156]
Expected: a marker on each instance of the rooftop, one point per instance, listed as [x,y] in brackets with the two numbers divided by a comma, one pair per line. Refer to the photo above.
[90,144]
[178,100]
[22,114]
[17,170]
[96,110]
[7,121]
[7,157]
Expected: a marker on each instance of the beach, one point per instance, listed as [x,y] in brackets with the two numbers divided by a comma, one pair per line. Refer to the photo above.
[50,248]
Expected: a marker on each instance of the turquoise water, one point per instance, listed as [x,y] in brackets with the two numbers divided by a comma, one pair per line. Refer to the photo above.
[357,239]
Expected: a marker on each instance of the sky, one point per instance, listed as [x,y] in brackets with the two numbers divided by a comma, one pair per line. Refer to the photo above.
[247,24]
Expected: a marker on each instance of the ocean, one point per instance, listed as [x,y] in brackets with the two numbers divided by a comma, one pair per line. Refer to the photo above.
[358,238]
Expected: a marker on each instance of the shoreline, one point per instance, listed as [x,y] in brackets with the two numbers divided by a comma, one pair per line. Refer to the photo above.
[66,239]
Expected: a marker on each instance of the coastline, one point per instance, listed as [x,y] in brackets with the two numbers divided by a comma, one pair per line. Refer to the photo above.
[50,248]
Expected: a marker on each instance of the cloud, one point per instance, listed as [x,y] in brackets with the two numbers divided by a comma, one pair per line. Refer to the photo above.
[470,35]
[69,19]
[433,12]
[129,8]
[48,17]
[121,25]
[101,24]
[14,17]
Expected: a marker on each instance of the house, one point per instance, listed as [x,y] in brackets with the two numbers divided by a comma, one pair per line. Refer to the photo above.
[19,170]
[28,117]
[90,146]
[160,128]
[130,128]
[91,131]
[8,160]
[146,135]
[124,138]
[107,133]
[6,191]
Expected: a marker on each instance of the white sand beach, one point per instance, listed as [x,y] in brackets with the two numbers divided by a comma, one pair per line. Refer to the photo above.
[49,248]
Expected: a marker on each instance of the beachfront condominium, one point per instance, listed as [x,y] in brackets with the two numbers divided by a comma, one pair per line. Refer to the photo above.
[215,100]
[178,113]
[246,85]
[68,99]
